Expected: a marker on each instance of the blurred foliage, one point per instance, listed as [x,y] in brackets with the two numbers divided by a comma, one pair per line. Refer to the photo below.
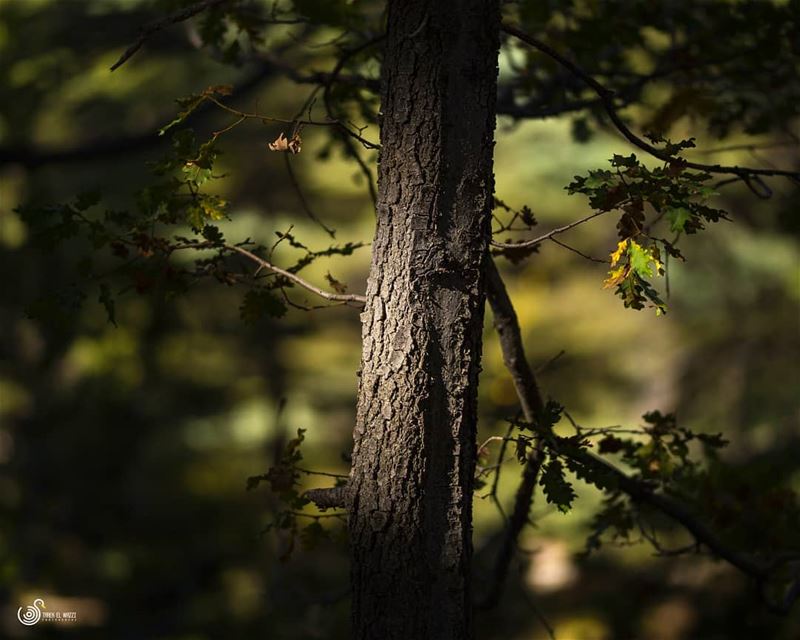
[125,450]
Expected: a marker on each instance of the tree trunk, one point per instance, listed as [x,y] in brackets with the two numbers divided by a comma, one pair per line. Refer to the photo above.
[411,483]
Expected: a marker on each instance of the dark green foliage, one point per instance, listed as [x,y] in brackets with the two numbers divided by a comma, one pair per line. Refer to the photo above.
[732,64]
[555,486]
[283,477]
[107,300]
[549,416]
[258,304]
[284,481]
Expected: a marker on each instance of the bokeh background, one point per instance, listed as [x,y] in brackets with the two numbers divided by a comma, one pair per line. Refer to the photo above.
[124,451]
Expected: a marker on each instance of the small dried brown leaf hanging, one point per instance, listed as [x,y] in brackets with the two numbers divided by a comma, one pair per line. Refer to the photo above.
[284,144]
[339,287]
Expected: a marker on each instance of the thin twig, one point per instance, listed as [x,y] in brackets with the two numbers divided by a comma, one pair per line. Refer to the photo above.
[326,97]
[549,363]
[321,473]
[580,253]
[750,147]
[303,202]
[316,123]
[149,30]
[336,297]
[547,236]
[538,612]
[318,516]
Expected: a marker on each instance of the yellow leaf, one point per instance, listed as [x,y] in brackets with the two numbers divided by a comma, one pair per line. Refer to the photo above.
[616,276]
[615,257]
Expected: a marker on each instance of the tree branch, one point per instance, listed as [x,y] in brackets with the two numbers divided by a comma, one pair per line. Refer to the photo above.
[546,236]
[326,98]
[149,30]
[296,122]
[529,395]
[329,497]
[320,77]
[333,297]
[300,196]
[607,98]
[507,325]
[32,157]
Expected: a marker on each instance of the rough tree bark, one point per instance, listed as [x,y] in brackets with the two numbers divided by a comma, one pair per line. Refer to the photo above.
[410,491]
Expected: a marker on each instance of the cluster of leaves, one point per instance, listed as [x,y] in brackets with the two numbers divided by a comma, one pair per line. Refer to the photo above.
[662,457]
[747,507]
[140,241]
[667,458]
[189,104]
[283,478]
[233,29]
[633,44]
[657,456]
[284,481]
[551,449]
[559,454]
[134,238]
[669,192]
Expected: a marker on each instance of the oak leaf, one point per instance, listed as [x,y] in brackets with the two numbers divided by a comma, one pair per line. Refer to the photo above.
[284,144]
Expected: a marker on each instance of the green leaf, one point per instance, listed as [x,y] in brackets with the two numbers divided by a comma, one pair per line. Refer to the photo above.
[549,416]
[556,488]
[598,179]
[336,13]
[205,207]
[597,475]
[254,481]
[189,104]
[640,259]
[678,217]
[212,233]
[258,303]
[624,161]
[312,535]
[107,300]
[522,449]
[86,200]
[707,192]
[713,440]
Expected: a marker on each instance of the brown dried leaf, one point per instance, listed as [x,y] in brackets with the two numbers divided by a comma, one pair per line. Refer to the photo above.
[284,144]
[339,287]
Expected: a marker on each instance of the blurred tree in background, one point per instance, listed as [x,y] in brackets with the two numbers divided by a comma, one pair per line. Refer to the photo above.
[146,373]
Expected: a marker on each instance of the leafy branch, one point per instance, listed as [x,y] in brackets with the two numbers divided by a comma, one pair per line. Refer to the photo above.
[607,98]
[261,262]
[667,442]
[148,31]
